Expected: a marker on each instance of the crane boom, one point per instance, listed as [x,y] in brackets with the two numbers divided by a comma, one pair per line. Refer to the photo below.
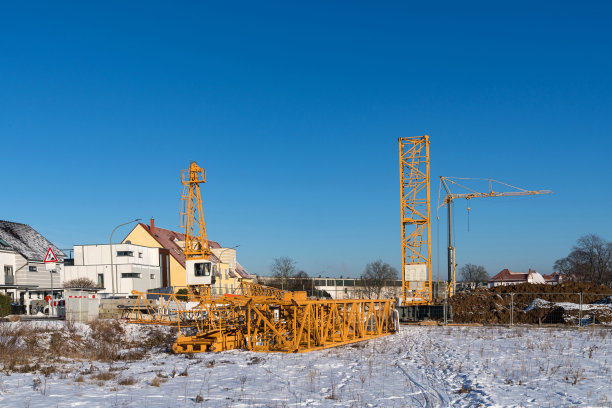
[448,201]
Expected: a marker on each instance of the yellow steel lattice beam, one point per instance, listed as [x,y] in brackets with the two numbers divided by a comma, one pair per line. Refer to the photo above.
[415,219]
[192,214]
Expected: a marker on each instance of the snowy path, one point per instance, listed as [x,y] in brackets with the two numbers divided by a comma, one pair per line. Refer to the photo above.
[419,367]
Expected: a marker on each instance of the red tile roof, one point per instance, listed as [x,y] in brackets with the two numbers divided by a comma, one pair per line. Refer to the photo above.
[243,273]
[554,277]
[507,276]
[167,239]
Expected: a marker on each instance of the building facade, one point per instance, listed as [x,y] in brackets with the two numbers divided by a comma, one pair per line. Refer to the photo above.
[24,276]
[134,267]
[226,269]
[507,277]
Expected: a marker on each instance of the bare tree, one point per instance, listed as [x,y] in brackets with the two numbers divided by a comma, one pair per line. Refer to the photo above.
[282,269]
[80,283]
[589,261]
[376,276]
[473,273]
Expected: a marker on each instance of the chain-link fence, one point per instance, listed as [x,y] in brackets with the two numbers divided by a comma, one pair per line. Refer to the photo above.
[569,309]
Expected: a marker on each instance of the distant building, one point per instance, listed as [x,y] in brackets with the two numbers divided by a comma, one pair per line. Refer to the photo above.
[226,269]
[554,278]
[135,267]
[506,277]
[336,288]
[24,277]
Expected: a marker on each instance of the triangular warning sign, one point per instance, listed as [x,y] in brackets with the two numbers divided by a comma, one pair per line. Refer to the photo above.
[50,257]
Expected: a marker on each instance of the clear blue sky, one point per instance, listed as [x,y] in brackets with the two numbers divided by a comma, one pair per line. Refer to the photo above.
[294,110]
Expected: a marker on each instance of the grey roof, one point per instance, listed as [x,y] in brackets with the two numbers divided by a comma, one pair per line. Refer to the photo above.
[25,240]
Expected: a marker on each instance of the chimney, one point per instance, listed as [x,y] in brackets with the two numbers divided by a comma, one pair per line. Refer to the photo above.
[152,226]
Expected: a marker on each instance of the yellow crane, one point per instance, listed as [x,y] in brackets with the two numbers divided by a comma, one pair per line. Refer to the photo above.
[255,317]
[468,194]
[416,220]
[197,252]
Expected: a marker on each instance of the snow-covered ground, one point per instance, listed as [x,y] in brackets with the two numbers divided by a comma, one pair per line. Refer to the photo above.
[420,366]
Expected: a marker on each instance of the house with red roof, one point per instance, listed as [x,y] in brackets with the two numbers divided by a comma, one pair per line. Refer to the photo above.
[507,277]
[226,269]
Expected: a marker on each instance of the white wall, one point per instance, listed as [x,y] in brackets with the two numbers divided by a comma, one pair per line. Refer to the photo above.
[226,255]
[101,255]
[90,261]
[6,259]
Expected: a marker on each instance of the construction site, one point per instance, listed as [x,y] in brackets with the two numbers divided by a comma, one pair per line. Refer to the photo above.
[202,346]
[260,318]
[322,204]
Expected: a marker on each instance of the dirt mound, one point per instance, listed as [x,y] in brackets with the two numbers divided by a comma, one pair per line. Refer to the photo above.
[533,304]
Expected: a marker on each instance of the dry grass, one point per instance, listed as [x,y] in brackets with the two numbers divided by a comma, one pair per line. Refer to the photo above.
[157,381]
[127,381]
[104,376]
[36,347]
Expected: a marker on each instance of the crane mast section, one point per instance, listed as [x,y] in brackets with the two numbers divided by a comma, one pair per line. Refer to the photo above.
[192,214]
[415,219]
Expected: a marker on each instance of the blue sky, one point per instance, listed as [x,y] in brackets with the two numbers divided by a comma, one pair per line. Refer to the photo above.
[294,110]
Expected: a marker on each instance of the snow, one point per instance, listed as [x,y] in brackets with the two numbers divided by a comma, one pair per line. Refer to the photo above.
[601,305]
[27,241]
[420,366]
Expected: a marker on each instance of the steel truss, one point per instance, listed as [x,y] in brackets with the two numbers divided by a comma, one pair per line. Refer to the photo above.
[415,216]
[293,324]
[261,318]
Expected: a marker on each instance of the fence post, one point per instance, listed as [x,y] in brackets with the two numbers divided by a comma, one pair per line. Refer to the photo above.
[511,309]
[580,311]
[445,309]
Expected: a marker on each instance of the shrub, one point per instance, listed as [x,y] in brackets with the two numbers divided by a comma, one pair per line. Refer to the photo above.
[80,283]
[183,292]
[5,305]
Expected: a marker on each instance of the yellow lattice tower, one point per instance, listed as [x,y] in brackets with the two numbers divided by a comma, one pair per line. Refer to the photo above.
[416,219]
[192,215]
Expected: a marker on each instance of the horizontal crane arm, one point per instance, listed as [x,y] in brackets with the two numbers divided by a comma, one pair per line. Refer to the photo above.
[468,196]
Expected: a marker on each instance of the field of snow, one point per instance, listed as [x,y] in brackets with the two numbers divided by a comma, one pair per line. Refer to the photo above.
[420,366]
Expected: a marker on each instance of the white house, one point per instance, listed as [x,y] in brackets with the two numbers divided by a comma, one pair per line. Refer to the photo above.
[507,277]
[23,275]
[134,267]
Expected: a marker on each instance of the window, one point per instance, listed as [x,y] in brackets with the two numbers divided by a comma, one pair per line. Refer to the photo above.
[152,276]
[201,269]
[140,254]
[125,253]
[3,243]
[349,282]
[130,275]
[32,268]
[101,280]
